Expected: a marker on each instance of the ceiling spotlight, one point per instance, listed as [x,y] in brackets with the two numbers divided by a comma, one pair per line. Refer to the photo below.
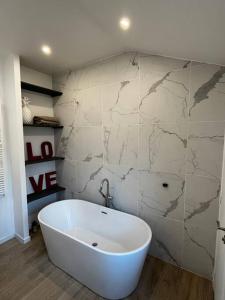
[46,50]
[125,23]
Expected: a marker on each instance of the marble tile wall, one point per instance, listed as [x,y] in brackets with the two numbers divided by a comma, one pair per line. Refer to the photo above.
[145,122]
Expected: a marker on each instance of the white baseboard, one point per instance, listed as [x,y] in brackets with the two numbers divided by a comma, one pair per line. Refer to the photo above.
[6,238]
[22,240]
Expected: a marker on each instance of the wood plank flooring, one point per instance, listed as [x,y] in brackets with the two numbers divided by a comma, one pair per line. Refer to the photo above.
[26,273]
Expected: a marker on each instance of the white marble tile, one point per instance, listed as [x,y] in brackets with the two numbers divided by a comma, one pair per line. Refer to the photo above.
[123,187]
[80,143]
[121,145]
[167,239]
[118,92]
[66,176]
[89,176]
[201,200]
[160,64]
[82,180]
[115,69]
[64,82]
[118,68]
[205,149]
[65,112]
[88,107]
[162,147]
[164,89]
[207,101]
[81,108]
[85,144]
[199,249]
[120,103]
[162,201]
[62,138]
[67,96]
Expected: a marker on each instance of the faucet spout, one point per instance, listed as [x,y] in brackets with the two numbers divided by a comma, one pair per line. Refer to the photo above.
[107,197]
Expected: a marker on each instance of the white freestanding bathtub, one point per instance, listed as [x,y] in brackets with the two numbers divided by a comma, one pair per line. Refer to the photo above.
[102,248]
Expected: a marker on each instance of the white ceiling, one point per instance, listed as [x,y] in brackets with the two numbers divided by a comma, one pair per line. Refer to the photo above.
[82,31]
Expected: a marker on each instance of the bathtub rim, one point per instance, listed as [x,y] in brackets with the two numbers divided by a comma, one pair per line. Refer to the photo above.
[90,246]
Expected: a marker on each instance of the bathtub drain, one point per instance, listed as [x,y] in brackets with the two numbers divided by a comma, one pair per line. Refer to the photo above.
[94,244]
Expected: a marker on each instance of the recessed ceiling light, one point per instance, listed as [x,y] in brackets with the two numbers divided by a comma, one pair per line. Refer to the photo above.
[46,50]
[125,23]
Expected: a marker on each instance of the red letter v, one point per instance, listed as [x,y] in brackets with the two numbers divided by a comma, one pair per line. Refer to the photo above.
[37,187]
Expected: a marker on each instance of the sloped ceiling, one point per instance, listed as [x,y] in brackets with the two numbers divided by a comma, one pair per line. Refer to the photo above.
[83,31]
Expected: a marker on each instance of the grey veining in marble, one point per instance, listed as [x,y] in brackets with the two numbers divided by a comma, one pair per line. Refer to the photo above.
[153,88]
[163,201]
[124,187]
[162,246]
[63,139]
[205,139]
[202,200]
[65,112]
[164,90]
[202,92]
[120,103]
[121,145]
[203,206]
[211,258]
[81,179]
[207,99]
[199,249]
[90,178]
[163,147]
[85,144]
[154,126]
[167,241]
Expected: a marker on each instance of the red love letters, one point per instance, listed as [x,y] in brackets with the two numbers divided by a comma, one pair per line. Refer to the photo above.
[30,155]
[37,187]
[50,179]
[43,150]
[46,151]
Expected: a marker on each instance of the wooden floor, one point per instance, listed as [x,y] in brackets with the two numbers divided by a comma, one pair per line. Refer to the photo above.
[26,273]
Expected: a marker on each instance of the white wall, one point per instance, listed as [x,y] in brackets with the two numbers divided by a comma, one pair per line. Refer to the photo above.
[13,207]
[40,104]
[14,144]
[35,77]
[7,228]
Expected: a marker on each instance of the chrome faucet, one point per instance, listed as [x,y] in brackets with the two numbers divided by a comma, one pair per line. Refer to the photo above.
[107,197]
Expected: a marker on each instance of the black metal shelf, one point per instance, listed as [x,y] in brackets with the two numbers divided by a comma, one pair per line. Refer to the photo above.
[39,89]
[31,162]
[44,126]
[34,196]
